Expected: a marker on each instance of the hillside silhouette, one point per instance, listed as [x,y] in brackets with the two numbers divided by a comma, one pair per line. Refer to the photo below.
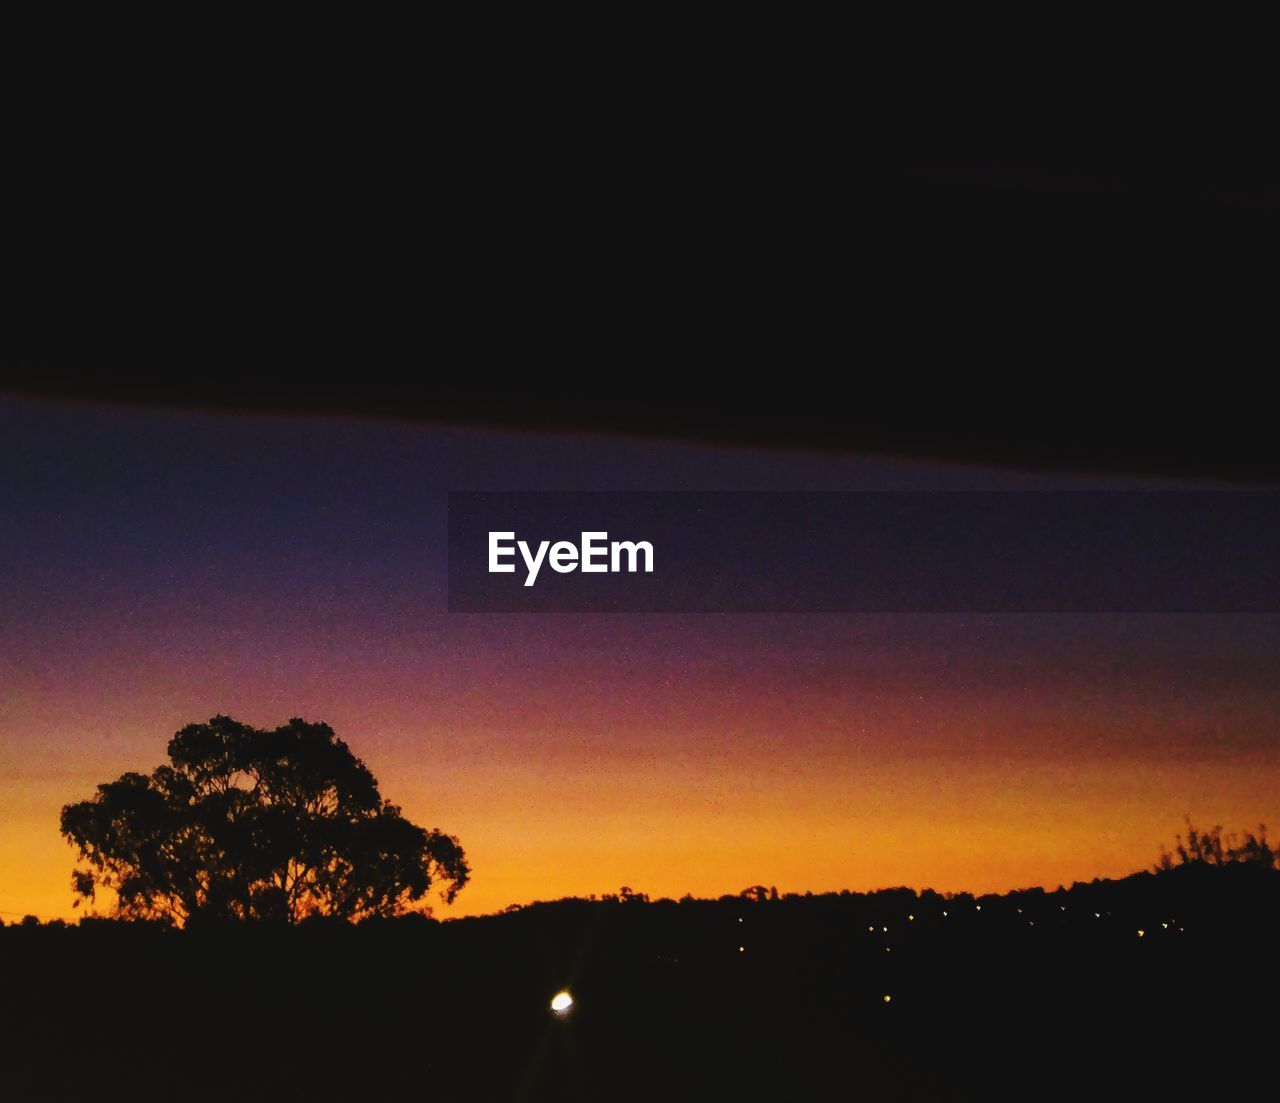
[1136,988]
[267,937]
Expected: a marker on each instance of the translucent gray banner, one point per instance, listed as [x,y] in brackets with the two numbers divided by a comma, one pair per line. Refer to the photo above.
[881,552]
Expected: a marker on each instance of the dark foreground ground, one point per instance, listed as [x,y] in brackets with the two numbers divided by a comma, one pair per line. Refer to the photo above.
[1026,996]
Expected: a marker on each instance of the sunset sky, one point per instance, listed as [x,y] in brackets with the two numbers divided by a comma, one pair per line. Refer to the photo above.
[157,568]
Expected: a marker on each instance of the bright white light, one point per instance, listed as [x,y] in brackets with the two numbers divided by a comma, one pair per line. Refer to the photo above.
[561,1002]
[742,949]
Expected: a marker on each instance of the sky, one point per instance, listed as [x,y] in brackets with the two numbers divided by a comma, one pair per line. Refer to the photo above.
[159,567]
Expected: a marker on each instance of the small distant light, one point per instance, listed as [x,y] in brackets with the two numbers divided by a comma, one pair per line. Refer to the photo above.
[1063,907]
[888,949]
[872,930]
[742,949]
[978,906]
[1165,926]
[1141,932]
[1019,911]
[561,1002]
[944,915]
[1031,922]
[739,919]
[911,917]
[885,929]
[887,997]
[1097,915]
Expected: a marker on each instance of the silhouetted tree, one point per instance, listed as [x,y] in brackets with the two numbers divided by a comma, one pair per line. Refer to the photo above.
[254,824]
[1211,848]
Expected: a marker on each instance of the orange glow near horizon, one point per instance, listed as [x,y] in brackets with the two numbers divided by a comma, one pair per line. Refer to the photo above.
[566,820]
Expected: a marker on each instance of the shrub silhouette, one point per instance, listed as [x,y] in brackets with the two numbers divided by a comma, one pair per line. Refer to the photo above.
[252,824]
[1212,848]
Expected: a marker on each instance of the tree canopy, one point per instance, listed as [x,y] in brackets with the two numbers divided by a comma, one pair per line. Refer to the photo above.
[246,823]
